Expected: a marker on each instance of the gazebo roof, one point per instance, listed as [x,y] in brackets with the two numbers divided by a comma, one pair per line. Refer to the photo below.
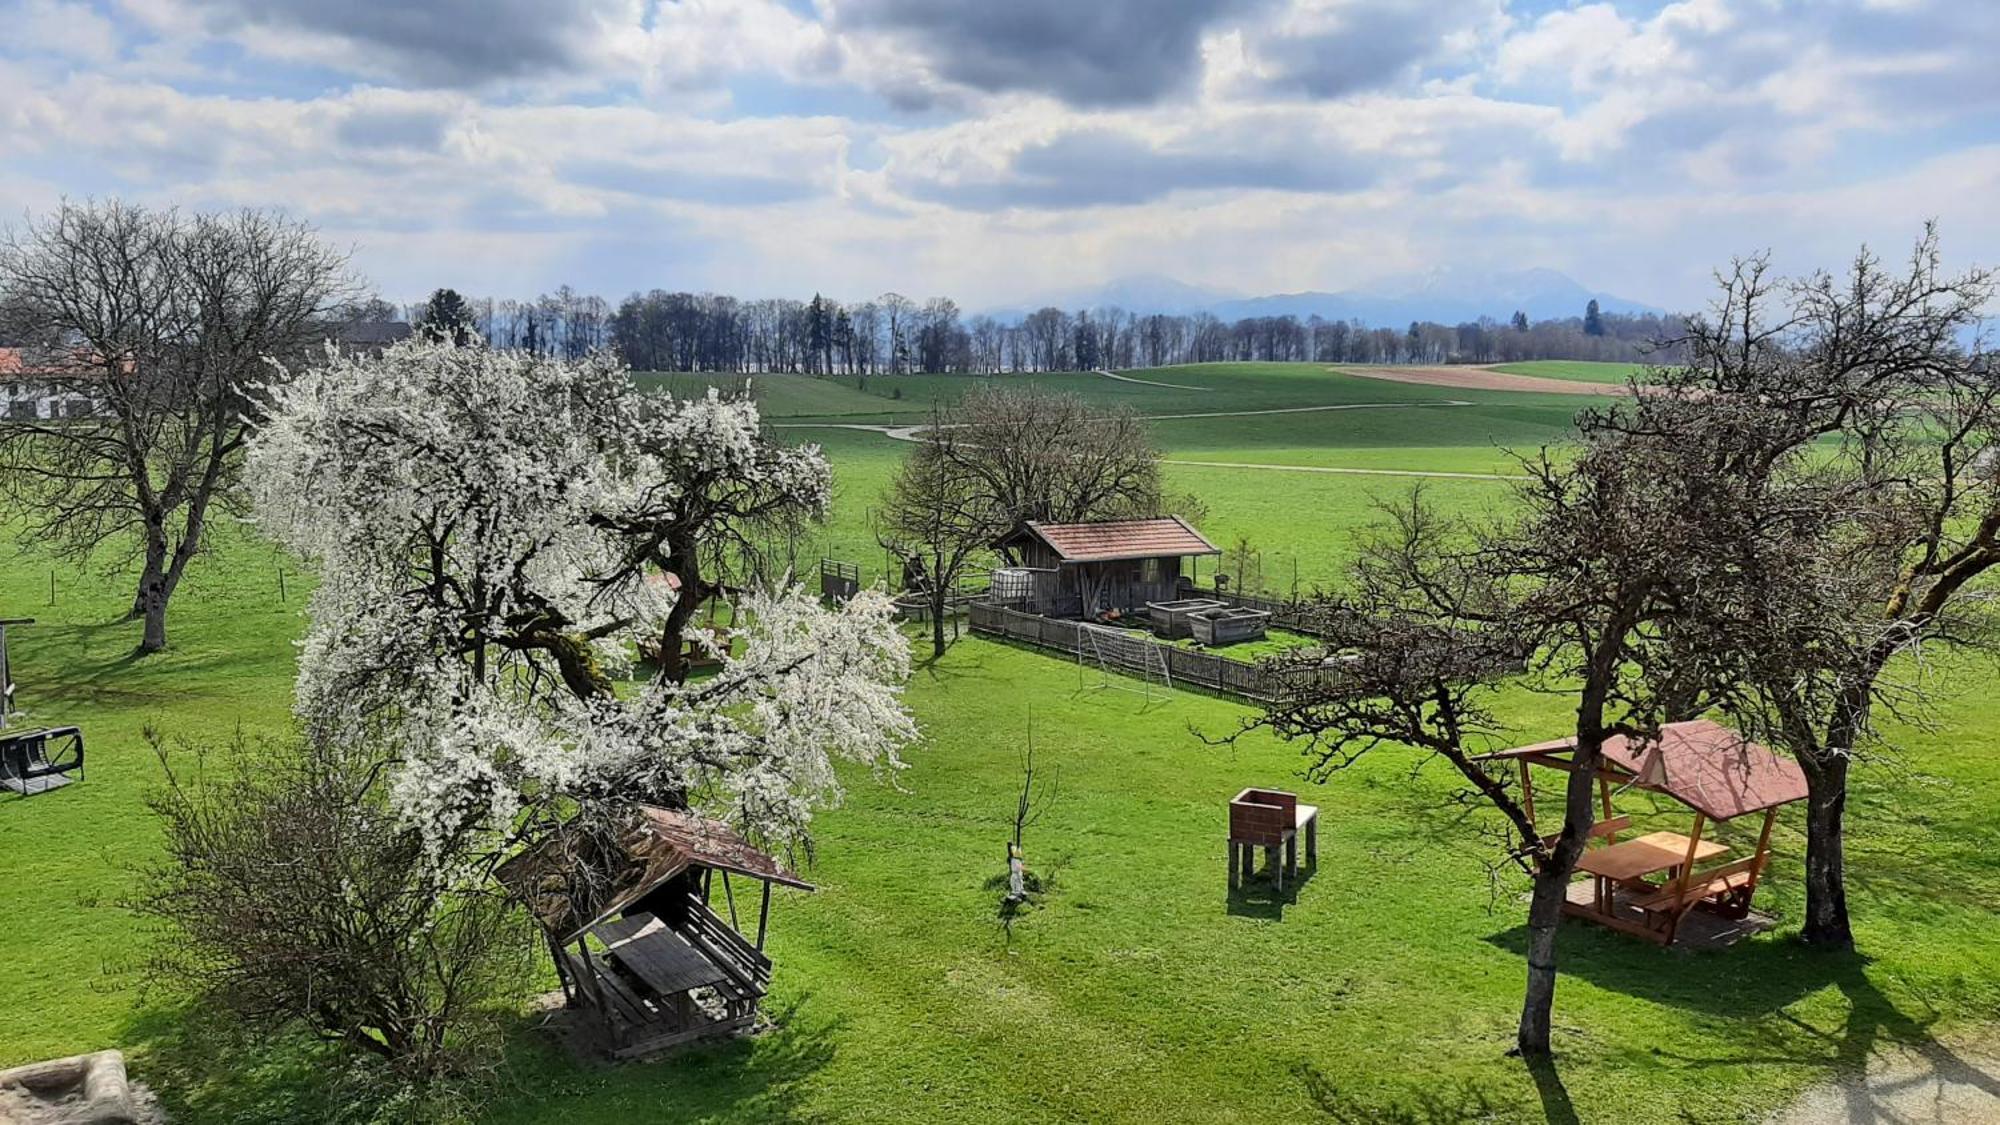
[1114,540]
[661,844]
[1702,764]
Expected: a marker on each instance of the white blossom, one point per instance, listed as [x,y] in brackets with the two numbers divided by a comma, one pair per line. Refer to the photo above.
[454,501]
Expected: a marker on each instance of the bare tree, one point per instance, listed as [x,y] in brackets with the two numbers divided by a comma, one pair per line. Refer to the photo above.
[1045,455]
[1585,583]
[1865,555]
[164,321]
[290,895]
[938,517]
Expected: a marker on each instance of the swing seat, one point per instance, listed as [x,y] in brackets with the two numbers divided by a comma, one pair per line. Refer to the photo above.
[26,764]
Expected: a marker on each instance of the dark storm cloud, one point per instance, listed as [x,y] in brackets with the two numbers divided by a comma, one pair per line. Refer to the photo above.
[1090,168]
[1086,52]
[438,42]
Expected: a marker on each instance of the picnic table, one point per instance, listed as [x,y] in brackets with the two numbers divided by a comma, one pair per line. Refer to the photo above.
[1634,859]
[655,955]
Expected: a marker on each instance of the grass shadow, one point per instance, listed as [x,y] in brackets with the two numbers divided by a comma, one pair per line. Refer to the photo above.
[1427,1105]
[1259,896]
[205,1067]
[1753,979]
[753,1079]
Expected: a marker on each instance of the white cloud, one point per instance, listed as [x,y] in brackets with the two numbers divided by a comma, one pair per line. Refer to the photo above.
[985,150]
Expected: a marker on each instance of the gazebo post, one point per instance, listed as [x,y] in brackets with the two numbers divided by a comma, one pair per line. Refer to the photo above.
[1527,792]
[1694,842]
[1764,837]
[763,914]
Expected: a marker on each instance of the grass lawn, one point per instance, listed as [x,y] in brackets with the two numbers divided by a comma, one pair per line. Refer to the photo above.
[1580,370]
[1137,989]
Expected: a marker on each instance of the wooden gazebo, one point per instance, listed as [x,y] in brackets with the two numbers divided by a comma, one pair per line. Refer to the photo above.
[1645,886]
[635,936]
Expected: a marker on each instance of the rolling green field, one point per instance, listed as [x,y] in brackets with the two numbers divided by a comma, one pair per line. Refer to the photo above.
[1579,370]
[1137,989]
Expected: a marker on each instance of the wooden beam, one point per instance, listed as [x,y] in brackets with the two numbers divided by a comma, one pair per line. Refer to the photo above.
[1527,792]
[730,895]
[1694,842]
[763,915]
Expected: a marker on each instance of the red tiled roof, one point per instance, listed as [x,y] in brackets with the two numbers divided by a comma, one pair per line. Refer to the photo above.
[1703,765]
[1167,537]
[10,362]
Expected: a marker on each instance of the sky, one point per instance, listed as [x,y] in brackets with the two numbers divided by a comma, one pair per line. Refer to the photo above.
[1005,150]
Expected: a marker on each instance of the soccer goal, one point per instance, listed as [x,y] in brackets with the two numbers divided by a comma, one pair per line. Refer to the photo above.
[1120,656]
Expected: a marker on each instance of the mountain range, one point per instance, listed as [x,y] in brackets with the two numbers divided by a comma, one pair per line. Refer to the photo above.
[1445,295]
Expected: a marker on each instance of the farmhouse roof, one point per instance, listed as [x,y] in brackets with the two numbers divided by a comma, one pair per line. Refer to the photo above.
[566,897]
[371,333]
[1703,765]
[1111,540]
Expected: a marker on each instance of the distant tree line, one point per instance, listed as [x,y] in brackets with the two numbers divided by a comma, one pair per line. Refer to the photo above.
[893,334]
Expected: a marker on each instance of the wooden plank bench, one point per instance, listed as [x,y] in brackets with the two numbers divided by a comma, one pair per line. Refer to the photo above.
[1725,890]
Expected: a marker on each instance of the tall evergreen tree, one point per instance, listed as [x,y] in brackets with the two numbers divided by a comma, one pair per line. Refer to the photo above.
[447,316]
[1593,319]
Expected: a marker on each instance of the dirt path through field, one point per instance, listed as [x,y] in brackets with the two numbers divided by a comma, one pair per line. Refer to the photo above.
[910,432]
[1343,471]
[1148,382]
[1481,379]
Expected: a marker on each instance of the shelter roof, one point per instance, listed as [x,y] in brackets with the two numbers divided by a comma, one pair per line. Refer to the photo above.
[1111,540]
[568,893]
[1702,764]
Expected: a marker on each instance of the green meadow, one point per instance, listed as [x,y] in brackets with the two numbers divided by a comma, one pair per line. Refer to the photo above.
[1578,370]
[1136,988]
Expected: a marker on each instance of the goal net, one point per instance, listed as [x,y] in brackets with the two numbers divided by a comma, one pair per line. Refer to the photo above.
[1121,657]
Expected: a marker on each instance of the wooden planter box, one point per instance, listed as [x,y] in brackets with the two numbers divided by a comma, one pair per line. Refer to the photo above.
[1227,626]
[1262,817]
[1170,619]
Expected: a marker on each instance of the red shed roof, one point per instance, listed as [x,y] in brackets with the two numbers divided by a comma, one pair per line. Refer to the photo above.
[662,844]
[1109,540]
[1703,765]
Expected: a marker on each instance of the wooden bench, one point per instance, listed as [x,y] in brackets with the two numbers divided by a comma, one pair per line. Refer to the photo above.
[1725,890]
[1606,830]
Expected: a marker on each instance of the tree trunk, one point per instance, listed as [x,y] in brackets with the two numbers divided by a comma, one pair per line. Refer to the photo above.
[151,602]
[151,575]
[1544,921]
[1545,905]
[938,601]
[1826,924]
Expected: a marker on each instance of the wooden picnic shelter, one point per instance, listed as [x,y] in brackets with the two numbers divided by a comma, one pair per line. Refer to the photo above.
[1108,568]
[1647,885]
[634,931]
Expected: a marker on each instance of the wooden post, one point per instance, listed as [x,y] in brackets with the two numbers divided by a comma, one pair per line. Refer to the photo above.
[763,915]
[1687,863]
[1604,801]
[1527,792]
[1763,844]
[730,896]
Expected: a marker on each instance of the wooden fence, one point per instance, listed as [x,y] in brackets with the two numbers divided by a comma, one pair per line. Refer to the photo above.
[1185,667]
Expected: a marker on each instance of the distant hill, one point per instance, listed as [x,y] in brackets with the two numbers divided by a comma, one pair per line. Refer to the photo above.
[1445,295]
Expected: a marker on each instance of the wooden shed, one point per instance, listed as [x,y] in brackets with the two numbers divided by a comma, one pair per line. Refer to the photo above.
[636,934]
[1091,570]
